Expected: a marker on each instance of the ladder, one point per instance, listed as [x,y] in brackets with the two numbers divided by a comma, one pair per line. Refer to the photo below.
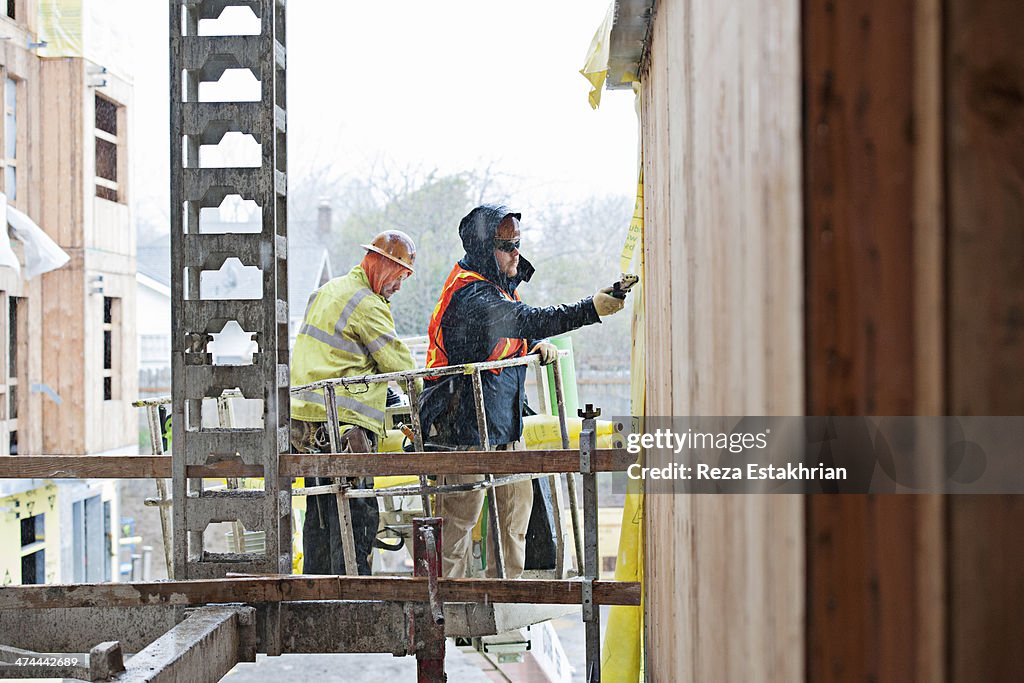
[199,59]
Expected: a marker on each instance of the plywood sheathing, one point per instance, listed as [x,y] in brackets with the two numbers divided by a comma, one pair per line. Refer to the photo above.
[721,136]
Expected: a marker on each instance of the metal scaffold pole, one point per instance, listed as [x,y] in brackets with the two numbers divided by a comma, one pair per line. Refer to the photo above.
[591,556]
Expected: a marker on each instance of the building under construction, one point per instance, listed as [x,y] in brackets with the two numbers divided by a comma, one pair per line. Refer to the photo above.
[830,223]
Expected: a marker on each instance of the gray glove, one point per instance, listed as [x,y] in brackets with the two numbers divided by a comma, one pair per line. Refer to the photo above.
[606,304]
[548,352]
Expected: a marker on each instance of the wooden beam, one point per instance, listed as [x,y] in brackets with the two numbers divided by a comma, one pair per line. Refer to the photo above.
[874,263]
[302,588]
[462,462]
[984,134]
[85,467]
[318,465]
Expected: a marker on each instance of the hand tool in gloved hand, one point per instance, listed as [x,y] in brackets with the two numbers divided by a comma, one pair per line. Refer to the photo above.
[605,304]
[621,288]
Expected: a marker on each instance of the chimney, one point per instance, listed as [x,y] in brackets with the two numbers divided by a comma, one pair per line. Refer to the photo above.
[323,219]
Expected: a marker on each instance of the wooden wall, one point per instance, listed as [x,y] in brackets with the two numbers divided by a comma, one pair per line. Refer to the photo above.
[98,236]
[902,279]
[914,135]
[21,64]
[721,140]
[984,132]
[872,198]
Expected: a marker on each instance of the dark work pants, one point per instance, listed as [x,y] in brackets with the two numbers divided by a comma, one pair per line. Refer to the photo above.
[322,550]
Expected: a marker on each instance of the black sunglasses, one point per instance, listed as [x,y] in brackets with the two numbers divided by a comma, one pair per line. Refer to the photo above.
[507,245]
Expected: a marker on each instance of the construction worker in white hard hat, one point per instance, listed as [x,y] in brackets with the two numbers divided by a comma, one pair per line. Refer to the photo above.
[348,331]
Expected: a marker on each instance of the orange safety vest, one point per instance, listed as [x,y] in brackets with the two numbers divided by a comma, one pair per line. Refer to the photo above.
[437,356]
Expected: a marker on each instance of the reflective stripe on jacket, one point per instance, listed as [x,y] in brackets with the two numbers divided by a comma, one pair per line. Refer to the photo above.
[477,320]
[437,356]
[347,331]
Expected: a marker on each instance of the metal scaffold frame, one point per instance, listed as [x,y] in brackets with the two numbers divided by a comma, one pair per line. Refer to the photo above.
[413,615]
[301,614]
[345,493]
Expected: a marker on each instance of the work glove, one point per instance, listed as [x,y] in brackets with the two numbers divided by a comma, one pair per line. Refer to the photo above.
[606,304]
[548,352]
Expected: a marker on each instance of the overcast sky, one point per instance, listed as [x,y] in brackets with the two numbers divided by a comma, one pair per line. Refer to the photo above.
[452,84]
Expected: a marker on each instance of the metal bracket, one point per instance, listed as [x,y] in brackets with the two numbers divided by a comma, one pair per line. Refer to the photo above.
[587,595]
[585,454]
[589,413]
[588,438]
[428,622]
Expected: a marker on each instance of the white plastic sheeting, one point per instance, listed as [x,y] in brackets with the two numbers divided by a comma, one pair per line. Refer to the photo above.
[41,253]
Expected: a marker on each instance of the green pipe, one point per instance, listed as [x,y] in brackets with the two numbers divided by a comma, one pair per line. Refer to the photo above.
[569,393]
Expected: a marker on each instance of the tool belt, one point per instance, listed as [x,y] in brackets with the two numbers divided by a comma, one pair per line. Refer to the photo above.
[313,437]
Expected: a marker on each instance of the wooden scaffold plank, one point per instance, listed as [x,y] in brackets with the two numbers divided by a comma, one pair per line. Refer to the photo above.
[318,464]
[302,588]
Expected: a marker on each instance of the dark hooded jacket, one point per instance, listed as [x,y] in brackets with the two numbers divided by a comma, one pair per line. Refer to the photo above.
[476,318]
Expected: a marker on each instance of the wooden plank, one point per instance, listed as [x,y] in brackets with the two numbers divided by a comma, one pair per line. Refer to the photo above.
[320,465]
[859,190]
[658,333]
[931,613]
[872,206]
[63,368]
[986,594]
[984,136]
[63,291]
[929,218]
[465,462]
[85,467]
[302,588]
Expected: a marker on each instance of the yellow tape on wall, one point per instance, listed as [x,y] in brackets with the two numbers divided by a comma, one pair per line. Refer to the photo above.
[636,227]
[622,654]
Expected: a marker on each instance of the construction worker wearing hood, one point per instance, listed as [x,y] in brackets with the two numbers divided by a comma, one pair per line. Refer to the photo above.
[348,331]
[479,317]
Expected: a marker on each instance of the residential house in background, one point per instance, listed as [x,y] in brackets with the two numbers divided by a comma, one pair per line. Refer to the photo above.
[66,336]
[309,265]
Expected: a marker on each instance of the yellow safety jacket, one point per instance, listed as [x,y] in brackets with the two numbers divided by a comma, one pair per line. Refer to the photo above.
[347,331]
